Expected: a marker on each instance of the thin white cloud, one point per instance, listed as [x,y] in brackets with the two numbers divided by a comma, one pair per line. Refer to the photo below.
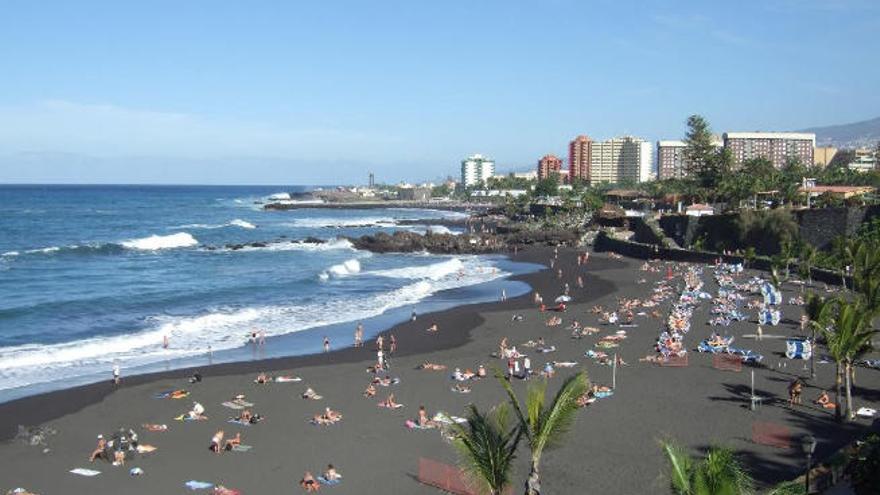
[699,23]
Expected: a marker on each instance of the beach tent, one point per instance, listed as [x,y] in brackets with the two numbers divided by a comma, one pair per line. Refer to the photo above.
[769,317]
[798,349]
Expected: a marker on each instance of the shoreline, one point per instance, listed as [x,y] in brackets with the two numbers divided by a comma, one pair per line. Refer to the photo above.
[374,205]
[44,407]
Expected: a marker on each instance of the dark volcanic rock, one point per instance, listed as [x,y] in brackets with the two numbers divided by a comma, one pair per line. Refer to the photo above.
[408,242]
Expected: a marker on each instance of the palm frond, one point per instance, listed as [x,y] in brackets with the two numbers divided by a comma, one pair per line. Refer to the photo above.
[556,420]
[680,467]
[486,452]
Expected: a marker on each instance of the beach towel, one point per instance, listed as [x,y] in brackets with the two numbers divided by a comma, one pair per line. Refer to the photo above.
[288,379]
[146,449]
[187,417]
[412,425]
[198,485]
[565,364]
[325,481]
[238,422]
[242,448]
[155,427]
[85,472]
[866,412]
[395,406]
[232,405]
[442,417]
[602,395]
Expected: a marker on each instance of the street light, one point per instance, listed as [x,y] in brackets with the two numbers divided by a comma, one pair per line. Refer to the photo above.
[808,444]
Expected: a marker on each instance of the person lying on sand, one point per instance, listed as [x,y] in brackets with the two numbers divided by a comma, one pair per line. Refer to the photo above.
[309,483]
[461,389]
[216,440]
[517,317]
[197,412]
[233,442]
[331,474]
[20,491]
[328,417]
[481,371]
[119,458]
[222,490]
[433,328]
[311,395]
[386,381]
[370,391]
[432,366]
[389,402]
[554,321]
[99,449]
[825,401]
[263,379]
[154,427]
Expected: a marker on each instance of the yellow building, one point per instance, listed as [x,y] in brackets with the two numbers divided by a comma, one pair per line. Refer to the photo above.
[823,155]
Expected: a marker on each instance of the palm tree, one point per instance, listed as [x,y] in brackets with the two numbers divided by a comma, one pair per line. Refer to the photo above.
[486,447]
[818,311]
[846,339]
[544,425]
[719,473]
[807,260]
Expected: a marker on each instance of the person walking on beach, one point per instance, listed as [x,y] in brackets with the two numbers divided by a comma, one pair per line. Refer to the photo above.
[380,342]
[116,374]
[262,337]
[392,344]
[326,344]
[503,295]
[359,335]
[412,317]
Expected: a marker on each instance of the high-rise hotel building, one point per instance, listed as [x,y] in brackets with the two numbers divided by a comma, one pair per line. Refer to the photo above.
[671,160]
[548,165]
[580,156]
[621,159]
[476,170]
[778,147]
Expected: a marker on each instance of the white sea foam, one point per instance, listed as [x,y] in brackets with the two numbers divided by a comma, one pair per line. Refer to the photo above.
[242,223]
[332,222]
[211,226]
[349,267]
[221,329]
[279,196]
[436,271]
[335,244]
[10,253]
[156,242]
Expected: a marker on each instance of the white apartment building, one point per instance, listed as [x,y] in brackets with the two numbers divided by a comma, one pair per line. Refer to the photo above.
[476,169]
[863,161]
[620,159]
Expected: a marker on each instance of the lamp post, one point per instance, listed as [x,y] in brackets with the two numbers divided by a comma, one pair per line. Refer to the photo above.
[808,444]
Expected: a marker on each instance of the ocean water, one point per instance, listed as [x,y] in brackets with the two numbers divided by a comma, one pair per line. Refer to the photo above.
[97,276]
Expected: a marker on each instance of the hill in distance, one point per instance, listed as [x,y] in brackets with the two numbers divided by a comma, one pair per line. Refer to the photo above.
[855,135]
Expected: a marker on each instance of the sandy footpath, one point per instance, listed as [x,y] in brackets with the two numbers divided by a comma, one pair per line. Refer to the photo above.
[612,449]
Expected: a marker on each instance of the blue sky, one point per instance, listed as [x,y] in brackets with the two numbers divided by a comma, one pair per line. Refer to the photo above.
[322,92]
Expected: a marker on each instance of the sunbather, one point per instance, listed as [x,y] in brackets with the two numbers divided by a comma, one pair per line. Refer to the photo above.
[310,394]
[216,440]
[424,421]
[794,392]
[99,449]
[263,379]
[331,474]
[370,391]
[432,366]
[309,483]
[433,328]
[233,442]
[389,403]
[825,401]
[197,412]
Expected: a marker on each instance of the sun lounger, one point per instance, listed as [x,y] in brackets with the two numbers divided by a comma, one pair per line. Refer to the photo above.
[288,379]
[242,448]
[866,412]
[798,349]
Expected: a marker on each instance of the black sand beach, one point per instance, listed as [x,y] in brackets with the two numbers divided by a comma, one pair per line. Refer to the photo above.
[612,449]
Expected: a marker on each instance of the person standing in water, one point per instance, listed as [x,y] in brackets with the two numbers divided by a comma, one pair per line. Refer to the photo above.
[116,374]
[359,335]
[326,344]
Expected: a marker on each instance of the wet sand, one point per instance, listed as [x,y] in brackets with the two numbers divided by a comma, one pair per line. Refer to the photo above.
[612,448]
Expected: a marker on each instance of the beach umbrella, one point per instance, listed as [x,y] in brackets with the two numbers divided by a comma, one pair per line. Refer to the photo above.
[563,298]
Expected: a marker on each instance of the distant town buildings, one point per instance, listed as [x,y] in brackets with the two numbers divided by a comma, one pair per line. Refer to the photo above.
[864,160]
[778,147]
[549,165]
[476,170]
[580,155]
[671,160]
[621,159]
[822,155]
